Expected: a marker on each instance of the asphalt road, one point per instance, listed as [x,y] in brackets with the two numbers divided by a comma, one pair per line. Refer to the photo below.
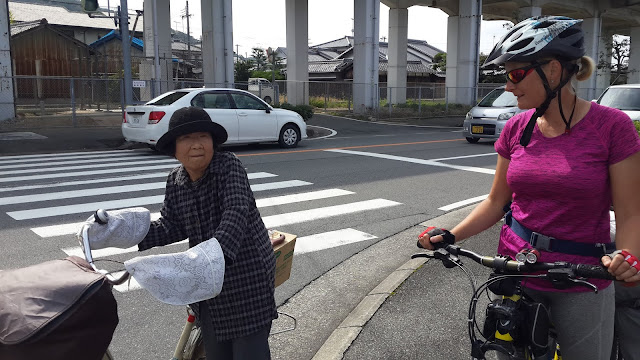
[389,179]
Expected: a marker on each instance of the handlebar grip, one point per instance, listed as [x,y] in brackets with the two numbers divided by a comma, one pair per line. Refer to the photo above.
[593,271]
[101,216]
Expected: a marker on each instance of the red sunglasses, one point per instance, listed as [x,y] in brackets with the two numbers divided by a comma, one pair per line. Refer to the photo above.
[517,75]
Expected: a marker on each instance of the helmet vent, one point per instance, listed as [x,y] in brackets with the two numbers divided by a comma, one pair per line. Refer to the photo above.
[543,24]
[520,45]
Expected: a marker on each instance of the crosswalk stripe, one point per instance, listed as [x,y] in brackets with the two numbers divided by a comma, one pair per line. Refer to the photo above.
[68,228]
[307,196]
[86,173]
[49,162]
[81,193]
[174,162]
[330,239]
[98,191]
[96,254]
[126,203]
[296,217]
[7,159]
[86,182]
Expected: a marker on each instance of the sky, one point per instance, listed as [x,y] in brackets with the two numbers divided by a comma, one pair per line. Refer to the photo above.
[258,23]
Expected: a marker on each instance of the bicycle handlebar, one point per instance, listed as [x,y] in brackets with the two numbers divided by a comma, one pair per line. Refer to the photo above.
[101,217]
[444,252]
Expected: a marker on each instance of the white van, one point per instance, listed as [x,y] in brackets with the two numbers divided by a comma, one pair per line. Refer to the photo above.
[262,88]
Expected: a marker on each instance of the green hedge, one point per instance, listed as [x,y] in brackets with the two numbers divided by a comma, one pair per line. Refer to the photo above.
[637,123]
[305,111]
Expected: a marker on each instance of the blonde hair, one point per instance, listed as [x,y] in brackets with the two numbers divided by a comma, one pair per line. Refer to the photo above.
[586,67]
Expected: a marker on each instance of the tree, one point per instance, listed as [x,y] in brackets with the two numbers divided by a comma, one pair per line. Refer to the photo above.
[617,49]
[243,70]
[259,57]
[11,18]
[440,62]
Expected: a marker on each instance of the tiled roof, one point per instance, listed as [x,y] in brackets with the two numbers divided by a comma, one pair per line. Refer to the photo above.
[17,28]
[180,46]
[63,12]
[346,41]
[328,66]
[412,68]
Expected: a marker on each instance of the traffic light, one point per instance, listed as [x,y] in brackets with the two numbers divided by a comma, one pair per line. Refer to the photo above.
[90,5]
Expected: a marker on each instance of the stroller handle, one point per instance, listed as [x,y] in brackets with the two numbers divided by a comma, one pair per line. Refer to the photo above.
[86,249]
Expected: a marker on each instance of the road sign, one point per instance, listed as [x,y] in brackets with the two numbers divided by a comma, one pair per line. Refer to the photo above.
[139,83]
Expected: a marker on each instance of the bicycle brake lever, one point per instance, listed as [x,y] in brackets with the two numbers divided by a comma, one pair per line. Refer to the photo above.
[560,277]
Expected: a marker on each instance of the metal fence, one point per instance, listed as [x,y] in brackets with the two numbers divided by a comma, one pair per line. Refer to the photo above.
[37,96]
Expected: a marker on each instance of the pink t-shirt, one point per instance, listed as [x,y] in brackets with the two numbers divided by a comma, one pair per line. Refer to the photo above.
[561,185]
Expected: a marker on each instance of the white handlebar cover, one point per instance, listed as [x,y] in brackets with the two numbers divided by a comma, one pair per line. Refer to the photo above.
[125,228]
[181,278]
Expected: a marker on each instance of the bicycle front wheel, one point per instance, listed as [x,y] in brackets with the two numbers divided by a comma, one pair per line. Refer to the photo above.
[194,348]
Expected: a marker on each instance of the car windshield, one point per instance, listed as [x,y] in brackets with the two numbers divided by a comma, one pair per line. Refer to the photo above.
[621,98]
[499,98]
[168,99]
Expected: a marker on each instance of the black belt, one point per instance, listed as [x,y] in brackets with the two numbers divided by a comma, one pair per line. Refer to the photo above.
[551,244]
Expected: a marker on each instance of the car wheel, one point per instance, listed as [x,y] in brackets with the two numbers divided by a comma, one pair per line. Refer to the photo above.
[289,136]
[267,99]
[473,140]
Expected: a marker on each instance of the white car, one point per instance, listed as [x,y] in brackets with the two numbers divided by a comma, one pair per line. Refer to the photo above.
[623,97]
[246,118]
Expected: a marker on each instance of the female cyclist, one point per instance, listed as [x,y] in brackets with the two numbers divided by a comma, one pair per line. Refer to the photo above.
[562,164]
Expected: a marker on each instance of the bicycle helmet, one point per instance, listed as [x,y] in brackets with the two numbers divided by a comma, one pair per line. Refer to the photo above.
[536,38]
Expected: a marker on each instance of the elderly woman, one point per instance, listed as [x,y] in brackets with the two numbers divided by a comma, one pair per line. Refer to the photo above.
[208,196]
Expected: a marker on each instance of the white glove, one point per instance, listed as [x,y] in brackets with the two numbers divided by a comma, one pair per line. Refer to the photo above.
[125,228]
[181,278]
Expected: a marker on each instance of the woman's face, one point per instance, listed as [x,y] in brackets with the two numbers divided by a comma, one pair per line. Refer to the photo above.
[195,151]
[529,91]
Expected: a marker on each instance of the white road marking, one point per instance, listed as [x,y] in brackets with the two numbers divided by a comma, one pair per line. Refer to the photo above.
[307,196]
[416,161]
[49,162]
[330,239]
[258,175]
[126,203]
[297,217]
[6,159]
[174,163]
[462,203]
[86,173]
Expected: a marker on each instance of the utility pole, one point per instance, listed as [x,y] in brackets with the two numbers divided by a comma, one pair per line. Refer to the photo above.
[237,53]
[187,15]
[126,53]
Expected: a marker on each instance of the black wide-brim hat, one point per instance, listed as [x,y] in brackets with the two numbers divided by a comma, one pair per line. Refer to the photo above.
[189,120]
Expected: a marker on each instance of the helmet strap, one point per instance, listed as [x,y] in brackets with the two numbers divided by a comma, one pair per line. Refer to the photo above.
[540,110]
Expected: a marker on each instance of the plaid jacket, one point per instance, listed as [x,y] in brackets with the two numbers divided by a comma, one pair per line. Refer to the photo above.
[221,205]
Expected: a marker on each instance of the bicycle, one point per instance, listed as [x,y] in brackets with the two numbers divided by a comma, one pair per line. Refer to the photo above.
[190,344]
[505,327]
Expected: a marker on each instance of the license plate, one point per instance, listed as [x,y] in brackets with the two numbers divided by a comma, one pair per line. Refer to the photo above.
[135,119]
[477,130]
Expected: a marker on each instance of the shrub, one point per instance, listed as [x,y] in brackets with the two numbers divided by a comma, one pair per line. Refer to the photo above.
[637,123]
[305,111]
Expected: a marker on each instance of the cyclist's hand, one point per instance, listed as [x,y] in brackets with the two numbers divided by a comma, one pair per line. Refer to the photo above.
[623,265]
[434,237]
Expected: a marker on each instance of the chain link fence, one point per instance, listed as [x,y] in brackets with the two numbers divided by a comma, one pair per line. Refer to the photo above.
[45,97]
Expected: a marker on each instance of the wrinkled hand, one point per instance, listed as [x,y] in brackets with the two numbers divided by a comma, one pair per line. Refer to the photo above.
[623,265]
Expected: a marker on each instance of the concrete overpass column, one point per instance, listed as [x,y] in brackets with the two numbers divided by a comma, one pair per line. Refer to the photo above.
[217,43]
[634,57]
[603,61]
[297,14]
[366,55]
[397,69]
[451,79]
[7,105]
[157,12]
[468,53]
[528,11]
[591,27]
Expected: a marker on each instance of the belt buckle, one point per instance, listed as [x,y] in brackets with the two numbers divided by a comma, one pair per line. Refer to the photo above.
[540,241]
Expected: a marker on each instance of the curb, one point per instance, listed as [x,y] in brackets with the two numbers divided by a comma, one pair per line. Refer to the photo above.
[342,337]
